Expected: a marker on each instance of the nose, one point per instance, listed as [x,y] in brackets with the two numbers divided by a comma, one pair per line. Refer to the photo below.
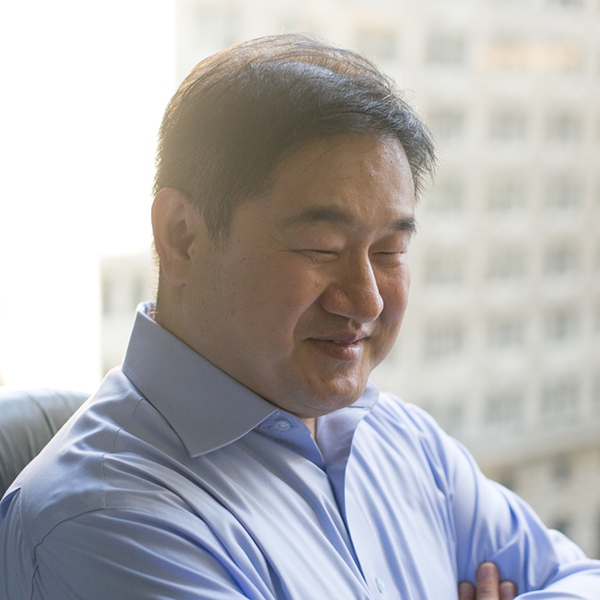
[354,293]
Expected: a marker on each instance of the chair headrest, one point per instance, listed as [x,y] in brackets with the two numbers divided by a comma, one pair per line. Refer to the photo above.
[28,420]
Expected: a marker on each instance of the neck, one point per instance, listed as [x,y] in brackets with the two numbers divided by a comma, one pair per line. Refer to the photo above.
[311,423]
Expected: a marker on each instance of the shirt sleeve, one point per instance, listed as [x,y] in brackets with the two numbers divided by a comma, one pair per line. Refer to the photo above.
[493,524]
[100,554]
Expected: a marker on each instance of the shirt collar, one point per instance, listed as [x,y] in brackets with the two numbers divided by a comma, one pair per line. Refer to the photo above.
[206,407]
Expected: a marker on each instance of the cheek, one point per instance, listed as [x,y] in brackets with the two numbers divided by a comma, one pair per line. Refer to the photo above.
[394,291]
[279,290]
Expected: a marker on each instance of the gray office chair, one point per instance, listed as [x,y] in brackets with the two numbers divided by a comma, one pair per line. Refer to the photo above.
[28,420]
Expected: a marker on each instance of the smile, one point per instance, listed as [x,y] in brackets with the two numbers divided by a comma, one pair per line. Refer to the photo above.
[346,351]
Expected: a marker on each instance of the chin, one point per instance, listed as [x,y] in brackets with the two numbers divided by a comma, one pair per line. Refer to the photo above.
[336,397]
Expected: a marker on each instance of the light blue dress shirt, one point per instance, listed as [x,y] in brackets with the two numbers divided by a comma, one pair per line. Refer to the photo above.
[176,482]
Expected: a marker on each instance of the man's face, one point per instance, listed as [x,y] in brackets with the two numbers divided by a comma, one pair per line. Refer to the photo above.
[307,295]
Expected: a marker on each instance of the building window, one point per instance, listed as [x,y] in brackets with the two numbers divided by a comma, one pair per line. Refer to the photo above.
[508,125]
[560,402]
[563,525]
[563,192]
[506,331]
[506,262]
[564,127]
[558,56]
[508,479]
[561,323]
[447,195]
[562,471]
[444,266]
[561,259]
[443,340]
[450,415]
[508,55]
[446,49]
[504,409]
[447,124]
[566,3]
[378,44]
[506,194]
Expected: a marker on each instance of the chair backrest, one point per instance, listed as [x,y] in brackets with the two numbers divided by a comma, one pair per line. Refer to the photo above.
[28,420]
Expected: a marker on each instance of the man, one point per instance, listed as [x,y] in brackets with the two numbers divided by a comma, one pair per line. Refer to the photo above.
[240,451]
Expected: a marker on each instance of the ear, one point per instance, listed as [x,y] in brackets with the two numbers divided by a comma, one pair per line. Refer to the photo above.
[175,224]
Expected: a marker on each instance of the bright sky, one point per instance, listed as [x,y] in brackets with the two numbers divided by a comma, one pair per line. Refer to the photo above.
[84,86]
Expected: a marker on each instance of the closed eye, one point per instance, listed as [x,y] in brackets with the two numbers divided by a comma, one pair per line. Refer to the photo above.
[318,255]
[389,258]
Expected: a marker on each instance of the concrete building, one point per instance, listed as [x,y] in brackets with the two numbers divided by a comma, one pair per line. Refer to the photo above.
[501,342]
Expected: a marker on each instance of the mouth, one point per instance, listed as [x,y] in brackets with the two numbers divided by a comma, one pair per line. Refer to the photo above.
[346,347]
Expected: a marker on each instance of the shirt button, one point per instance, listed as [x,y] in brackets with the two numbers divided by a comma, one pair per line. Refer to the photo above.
[380,584]
[282,425]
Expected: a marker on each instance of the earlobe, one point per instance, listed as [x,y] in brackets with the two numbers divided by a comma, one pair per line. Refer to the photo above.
[174,222]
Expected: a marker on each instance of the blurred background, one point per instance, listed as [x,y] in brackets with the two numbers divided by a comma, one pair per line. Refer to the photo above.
[501,342]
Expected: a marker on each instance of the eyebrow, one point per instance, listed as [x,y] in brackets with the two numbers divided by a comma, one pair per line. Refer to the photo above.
[336,216]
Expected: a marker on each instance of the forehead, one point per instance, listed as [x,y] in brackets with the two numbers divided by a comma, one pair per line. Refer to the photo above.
[345,180]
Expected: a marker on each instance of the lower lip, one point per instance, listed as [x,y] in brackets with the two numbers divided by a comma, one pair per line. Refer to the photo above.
[346,352]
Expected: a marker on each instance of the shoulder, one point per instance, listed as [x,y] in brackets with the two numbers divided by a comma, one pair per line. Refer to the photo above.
[95,461]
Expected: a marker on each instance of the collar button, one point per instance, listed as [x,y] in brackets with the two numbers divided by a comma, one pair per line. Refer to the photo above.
[282,425]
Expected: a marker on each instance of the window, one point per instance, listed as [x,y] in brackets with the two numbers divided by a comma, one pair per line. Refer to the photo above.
[446,49]
[509,55]
[563,192]
[564,127]
[506,262]
[560,401]
[562,57]
[563,525]
[378,44]
[561,259]
[506,194]
[447,195]
[561,323]
[508,479]
[447,124]
[504,408]
[449,414]
[506,331]
[444,266]
[567,3]
[562,471]
[557,55]
[443,340]
[508,125]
